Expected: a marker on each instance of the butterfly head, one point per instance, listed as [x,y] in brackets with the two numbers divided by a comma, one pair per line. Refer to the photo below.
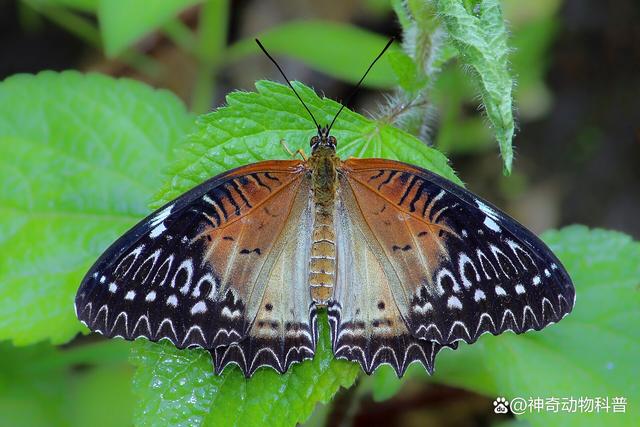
[323,139]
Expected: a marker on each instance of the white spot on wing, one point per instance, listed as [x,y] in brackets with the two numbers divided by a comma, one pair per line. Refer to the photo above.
[187,265]
[536,280]
[520,289]
[479,295]
[454,302]
[157,222]
[500,291]
[423,308]
[157,230]
[491,224]
[113,287]
[230,314]
[130,295]
[462,261]
[172,301]
[487,210]
[199,307]
[444,272]
[151,296]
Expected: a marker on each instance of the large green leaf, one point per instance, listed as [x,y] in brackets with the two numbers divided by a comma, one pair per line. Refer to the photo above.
[592,353]
[80,156]
[41,385]
[177,386]
[339,50]
[123,22]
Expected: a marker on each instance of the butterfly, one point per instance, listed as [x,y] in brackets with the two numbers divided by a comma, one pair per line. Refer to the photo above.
[403,261]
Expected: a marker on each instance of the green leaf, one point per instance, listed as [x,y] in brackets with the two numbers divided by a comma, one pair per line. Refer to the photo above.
[406,71]
[591,353]
[80,156]
[81,5]
[123,22]
[339,50]
[41,385]
[178,385]
[481,40]
[251,126]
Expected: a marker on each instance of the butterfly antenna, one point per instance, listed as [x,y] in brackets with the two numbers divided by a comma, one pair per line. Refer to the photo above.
[287,80]
[360,82]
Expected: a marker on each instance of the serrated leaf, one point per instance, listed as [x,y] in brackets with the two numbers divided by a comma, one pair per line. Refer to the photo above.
[481,39]
[123,22]
[339,50]
[249,129]
[41,385]
[178,386]
[79,157]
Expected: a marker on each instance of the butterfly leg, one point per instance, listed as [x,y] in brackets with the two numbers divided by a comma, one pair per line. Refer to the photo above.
[291,153]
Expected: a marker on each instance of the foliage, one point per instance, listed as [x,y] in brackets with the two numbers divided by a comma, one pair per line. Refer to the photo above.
[179,387]
[41,385]
[80,157]
[591,353]
[436,32]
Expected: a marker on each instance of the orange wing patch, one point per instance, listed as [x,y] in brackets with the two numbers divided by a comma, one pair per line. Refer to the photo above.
[218,268]
[457,266]
[405,220]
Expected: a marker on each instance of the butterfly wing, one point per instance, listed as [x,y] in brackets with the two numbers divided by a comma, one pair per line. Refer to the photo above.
[455,266]
[218,268]
[366,322]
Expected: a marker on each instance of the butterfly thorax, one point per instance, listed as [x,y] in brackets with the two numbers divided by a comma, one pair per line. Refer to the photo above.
[323,164]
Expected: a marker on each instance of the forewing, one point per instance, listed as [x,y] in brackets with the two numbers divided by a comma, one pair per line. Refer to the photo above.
[195,271]
[459,266]
[365,319]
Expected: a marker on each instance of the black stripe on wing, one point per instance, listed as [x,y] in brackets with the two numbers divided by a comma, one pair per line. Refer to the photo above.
[496,275]
[153,281]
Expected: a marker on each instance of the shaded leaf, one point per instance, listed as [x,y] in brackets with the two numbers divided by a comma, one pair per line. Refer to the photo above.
[123,22]
[41,385]
[82,5]
[79,157]
[339,50]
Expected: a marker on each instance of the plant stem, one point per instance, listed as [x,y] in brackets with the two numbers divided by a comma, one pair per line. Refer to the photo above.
[76,25]
[212,40]
[182,36]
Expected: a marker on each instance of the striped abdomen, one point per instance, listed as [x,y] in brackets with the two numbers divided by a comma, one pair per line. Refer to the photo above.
[322,268]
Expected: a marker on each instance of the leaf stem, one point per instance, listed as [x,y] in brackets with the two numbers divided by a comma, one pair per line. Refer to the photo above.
[211,44]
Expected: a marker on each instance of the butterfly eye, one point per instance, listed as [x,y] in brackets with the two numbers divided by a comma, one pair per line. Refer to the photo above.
[333,141]
[315,140]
